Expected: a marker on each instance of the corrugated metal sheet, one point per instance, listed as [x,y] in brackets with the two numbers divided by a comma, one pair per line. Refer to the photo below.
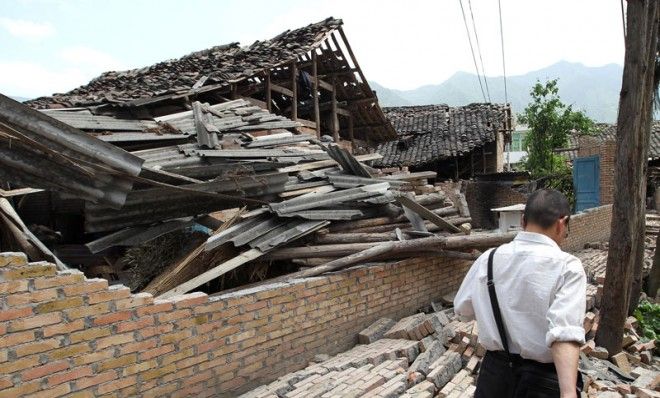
[41,152]
[328,199]
[347,162]
[152,205]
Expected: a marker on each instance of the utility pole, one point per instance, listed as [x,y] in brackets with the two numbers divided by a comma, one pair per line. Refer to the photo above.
[633,131]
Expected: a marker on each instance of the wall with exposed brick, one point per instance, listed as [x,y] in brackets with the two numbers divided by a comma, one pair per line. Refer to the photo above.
[484,196]
[61,333]
[592,225]
[606,152]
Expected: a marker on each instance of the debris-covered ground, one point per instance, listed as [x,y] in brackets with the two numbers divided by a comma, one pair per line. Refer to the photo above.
[434,354]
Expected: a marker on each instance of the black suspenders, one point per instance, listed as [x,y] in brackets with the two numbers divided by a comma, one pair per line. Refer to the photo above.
[495,305]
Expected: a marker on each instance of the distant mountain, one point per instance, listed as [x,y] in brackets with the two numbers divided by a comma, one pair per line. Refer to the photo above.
[594,90]
[17,98]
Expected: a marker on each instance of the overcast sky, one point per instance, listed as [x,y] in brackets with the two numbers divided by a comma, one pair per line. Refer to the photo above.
[51,46]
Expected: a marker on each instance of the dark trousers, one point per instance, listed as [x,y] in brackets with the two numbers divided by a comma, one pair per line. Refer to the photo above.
[522,379]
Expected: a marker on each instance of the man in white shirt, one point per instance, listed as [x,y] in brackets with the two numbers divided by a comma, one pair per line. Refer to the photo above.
[541,295]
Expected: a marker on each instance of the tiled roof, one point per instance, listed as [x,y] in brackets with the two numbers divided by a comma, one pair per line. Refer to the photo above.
[607,132]
[220,64]
[434,132]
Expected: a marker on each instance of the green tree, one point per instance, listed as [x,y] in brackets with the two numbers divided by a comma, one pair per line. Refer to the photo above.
[550,123]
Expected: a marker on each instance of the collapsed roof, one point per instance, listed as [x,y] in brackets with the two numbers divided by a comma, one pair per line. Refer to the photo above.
[434,132]
[232,71]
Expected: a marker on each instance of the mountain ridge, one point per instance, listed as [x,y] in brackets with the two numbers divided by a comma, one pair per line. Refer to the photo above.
[594,90]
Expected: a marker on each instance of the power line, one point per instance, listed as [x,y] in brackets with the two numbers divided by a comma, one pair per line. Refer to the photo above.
[483,70]
[623,21]
[506,95]
[467,30]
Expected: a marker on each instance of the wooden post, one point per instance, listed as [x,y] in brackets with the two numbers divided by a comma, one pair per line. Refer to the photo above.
[483,156]
[633,131]
[350,130]
[317,113]
[234,91]
[294,88]
[335,120]
[269,98]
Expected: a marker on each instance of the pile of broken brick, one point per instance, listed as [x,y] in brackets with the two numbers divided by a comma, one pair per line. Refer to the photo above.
[437,355]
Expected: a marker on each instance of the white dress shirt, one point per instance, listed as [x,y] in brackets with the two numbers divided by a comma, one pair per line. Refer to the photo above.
[541,291]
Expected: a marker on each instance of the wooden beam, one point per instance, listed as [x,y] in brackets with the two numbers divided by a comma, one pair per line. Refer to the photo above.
[307,123]
[294,91]
[317,113]
[234,91]
[350,130]
[213,273]
[428,214]
[326,163]
[335,120]
[282,90]
[367,89]
[325,85]
[268,88]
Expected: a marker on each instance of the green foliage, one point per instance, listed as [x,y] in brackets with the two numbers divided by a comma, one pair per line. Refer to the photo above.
[550,123]
[648,316]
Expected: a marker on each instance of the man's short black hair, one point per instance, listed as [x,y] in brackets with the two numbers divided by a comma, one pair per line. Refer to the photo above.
[545,206]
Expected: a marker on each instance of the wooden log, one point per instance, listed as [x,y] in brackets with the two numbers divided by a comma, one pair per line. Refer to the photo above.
[380,251]
[269,93]
[422,245]
[317,115]
[428,214]
[326,163]
[294,91]
[330,238]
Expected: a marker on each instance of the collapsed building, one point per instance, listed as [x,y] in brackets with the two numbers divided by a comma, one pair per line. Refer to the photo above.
[456,142]
[223,174]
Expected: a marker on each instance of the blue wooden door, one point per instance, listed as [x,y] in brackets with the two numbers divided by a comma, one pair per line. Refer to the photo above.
[586,181]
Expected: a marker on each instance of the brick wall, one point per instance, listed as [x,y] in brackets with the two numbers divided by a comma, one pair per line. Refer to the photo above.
[606,152]
[592,225]
[61,333]
[483,196]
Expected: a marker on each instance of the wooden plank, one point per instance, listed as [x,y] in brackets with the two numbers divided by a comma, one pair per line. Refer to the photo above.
[324,85]
[213,273]
[282,90]
[350,130]
[307,123]
[343,112]
[269,100]
[18,192]
[335,120]
[317,114]
[294,91]
[326,163]
[428,214]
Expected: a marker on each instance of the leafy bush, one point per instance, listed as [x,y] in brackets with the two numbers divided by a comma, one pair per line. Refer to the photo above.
[648,316]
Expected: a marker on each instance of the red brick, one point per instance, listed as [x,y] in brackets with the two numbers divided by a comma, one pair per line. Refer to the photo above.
[19,364]
[145,355]
[59,280]
[37,347]
[117,385]
[135,325]
[14,313]
[98,379]
[136,300]
[64,328]
[90,334]
[113,293]
[112,317]
[13,287]
[44,370]
[189,300]
[88,286]
[35,321]
[174,315]
[156,308]
[74,374]
[37,296]
[114,340]
[139,346]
